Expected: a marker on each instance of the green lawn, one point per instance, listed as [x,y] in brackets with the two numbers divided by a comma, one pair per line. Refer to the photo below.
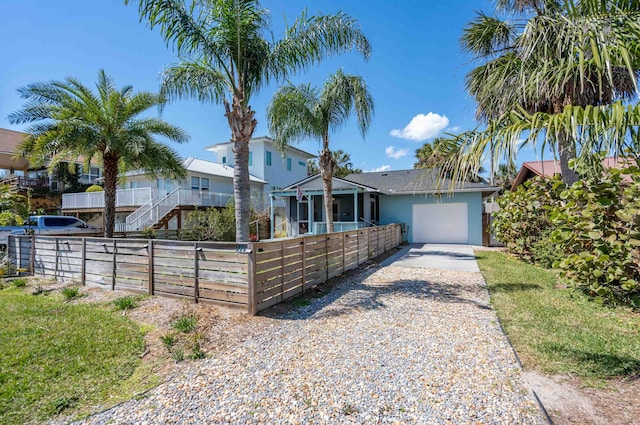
[58,357]
[556,330]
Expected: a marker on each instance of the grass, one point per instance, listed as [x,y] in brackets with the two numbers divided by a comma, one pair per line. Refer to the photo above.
[185,324]
[63,358]
[558,330]
[70,292]
[125,303]
[19,282]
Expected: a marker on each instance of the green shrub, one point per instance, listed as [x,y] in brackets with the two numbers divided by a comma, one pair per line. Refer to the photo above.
[598,229]
[196,352]
[95,188]
[168,340]
[125,303]
[523,222]
[70,292]
[211,224]
[185,324]
[20,282]
[149,233]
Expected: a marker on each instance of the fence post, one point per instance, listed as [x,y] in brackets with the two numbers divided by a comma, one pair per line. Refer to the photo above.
[304,263]
[326,255]
[32,260]
[150,250]
[251,284]
[282,271]
[342,237]
[11,239]
[55,273]
[113,271]
[83,265]
[195,272]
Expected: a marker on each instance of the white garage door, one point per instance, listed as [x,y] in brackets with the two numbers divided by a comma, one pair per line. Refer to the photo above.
[440,223]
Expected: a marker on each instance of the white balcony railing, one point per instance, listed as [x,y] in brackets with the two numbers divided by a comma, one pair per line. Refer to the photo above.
[124,198]
[152,212]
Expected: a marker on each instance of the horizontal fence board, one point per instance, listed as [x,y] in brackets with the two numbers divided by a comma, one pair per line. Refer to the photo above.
[223,286]
[223,277]
[222,295]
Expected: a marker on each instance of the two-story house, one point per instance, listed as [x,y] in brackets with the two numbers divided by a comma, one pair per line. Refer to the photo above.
[276,168]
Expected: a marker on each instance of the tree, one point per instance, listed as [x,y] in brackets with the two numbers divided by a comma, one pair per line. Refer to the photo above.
[432,155]
[439,153]
[343,168]
[228,54]
[69,121]
[546,57]
[13,206]
[506,175]
[300,112]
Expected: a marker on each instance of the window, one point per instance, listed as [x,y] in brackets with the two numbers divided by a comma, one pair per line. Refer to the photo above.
[304,164]
[289,164]
[62,222]
[132,185]
[224,159]
[268,158]
[165,184]
[199,183]
[250,158]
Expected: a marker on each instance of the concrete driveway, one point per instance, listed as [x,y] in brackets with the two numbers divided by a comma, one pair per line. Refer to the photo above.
[435,256]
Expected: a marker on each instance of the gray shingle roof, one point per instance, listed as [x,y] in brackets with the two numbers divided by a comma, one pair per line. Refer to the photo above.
[411,181]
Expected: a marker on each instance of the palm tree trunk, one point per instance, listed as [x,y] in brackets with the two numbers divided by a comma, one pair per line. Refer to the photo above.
[110,187]
[242,124]
[567,151]
[327,165]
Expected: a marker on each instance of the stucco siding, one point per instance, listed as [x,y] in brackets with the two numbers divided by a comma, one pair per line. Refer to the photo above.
[399,209]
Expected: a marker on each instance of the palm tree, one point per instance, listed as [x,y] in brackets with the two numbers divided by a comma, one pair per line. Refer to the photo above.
[546,56]
[343,167]
[71,122]
[300,112]
[228,54]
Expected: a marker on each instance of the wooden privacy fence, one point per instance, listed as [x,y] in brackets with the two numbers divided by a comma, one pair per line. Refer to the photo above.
[249,277]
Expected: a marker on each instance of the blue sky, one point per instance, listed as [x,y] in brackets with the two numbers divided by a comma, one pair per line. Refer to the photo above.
[416,72]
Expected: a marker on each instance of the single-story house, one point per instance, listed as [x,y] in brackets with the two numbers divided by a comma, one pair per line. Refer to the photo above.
[431,210]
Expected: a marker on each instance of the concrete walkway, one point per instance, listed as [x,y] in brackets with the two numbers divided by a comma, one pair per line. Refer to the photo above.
[435,256]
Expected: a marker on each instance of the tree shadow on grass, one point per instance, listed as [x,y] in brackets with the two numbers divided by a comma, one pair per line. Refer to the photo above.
[353,293]
[514,287]
[600,364]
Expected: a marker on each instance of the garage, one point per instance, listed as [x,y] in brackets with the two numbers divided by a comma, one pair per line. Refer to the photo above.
[440,223]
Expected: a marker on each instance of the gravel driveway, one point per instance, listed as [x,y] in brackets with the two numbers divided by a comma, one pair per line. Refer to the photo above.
[388,345]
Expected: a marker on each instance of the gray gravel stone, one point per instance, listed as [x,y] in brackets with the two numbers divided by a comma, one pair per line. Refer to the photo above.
[390,345]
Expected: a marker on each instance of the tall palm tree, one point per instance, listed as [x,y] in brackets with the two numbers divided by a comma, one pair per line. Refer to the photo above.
[71,122]
[545,56]
[300,112]
[228,54]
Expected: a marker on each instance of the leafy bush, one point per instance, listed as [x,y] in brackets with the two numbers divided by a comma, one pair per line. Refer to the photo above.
[149,233]
[598,229]
[95,188]
[211,224]
[523,222]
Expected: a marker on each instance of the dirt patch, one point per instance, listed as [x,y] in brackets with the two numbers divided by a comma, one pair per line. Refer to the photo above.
[569,400]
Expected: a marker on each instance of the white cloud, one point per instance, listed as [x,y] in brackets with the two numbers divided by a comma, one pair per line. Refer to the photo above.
[422,127]
[455,129]
[381,168]
[395,154]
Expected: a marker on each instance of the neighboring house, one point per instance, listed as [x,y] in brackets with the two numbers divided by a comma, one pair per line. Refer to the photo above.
[550,168]
[414,198]
[17,172]
[163,203]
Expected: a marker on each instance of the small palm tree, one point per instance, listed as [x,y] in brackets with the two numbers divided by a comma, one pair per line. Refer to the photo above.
[228,54]
[71,122]
[300,112]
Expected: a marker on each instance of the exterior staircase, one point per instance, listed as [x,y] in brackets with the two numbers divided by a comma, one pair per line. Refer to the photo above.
[152,214]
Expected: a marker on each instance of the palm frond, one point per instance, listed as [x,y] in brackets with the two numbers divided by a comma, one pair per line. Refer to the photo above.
[195,80]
